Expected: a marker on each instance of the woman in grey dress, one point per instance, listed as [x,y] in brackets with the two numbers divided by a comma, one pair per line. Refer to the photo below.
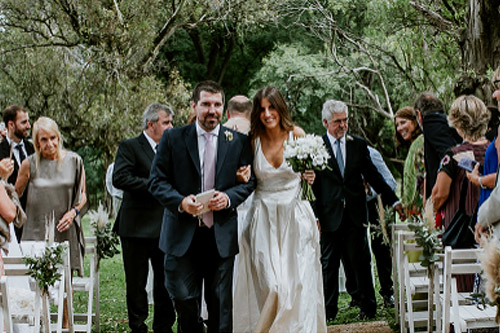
[55,181]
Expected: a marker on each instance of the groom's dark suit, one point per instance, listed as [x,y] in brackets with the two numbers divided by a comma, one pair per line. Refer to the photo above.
[342,213]
[195,253]
[138,223]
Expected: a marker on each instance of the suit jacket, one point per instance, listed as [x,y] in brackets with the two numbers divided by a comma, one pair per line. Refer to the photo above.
[140,213]
[5,153]
[438,138]
[336,196]
[176,173]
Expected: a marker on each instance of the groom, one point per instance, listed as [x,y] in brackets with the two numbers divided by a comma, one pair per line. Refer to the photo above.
[201,247]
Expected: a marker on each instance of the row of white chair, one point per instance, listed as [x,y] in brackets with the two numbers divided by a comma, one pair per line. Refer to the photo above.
[16,270]
[448,306]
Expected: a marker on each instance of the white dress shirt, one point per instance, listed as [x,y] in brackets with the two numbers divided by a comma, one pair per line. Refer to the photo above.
[152,142]
[15,151]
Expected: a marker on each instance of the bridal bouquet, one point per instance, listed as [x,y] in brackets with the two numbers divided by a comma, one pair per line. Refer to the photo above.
[306,153]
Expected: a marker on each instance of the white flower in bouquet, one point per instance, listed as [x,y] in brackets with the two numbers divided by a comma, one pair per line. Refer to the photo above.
[306,153]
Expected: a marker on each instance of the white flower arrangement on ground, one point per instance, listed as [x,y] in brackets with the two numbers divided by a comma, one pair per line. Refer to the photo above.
[306,153]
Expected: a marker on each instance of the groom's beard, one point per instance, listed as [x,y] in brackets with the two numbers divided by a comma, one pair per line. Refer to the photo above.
[210,121]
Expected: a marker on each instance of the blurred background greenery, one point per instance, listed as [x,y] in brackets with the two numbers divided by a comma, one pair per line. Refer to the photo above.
[94,66]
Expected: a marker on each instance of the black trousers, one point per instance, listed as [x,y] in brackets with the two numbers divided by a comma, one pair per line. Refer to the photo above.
[383,259]
[185,276]
[137,252]
[349,243]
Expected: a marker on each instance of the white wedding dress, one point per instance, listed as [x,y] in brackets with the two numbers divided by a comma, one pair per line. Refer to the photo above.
[279,284]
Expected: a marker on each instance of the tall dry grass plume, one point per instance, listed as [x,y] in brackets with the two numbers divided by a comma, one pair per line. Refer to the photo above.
[490,260]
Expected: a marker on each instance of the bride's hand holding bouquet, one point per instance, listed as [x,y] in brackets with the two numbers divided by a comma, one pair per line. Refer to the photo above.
[305,155]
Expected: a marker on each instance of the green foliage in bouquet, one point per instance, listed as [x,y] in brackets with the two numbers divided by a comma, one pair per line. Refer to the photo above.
[44,268]
[107,240]
[428,238]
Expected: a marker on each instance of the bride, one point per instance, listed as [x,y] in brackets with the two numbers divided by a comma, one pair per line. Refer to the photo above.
[279,284]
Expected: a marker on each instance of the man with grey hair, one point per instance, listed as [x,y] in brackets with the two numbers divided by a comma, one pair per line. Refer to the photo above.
[138,222]
[342,212]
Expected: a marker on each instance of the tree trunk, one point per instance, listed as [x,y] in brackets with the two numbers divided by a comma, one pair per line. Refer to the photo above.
[482,45]
[480,48]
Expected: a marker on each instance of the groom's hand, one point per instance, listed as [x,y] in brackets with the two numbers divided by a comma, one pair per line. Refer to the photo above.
[219,201]
[190,206]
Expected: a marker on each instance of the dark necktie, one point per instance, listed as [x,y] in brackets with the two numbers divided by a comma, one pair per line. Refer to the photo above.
[340,159]
[22,156]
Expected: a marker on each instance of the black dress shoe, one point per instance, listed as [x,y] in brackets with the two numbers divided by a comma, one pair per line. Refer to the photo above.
[388,301]
[365,315]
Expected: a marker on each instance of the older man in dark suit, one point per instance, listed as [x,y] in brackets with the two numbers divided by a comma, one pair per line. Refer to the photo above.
[342,212]
[16,147]
[139,221]
[200,248]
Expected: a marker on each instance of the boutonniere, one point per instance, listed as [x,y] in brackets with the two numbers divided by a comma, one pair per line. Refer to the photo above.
[349,138]
[229,136]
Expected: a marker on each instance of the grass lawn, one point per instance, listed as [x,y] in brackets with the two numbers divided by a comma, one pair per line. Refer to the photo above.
[114,308]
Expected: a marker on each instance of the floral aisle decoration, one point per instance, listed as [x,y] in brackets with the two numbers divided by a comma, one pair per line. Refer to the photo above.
[306,153]
[490,260]
[428,237]
[107,240]
[45,268]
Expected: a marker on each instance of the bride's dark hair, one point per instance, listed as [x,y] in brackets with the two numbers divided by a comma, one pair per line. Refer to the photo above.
[274,97]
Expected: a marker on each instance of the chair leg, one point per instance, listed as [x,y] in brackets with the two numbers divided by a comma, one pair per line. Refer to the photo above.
[96,302]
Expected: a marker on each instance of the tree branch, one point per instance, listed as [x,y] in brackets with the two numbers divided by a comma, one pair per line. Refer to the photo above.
[434,18]
[166,32]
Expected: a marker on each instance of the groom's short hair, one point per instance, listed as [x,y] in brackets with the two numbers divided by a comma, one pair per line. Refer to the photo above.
[210,86]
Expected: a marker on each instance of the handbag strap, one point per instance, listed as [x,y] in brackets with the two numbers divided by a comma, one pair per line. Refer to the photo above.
[463,193]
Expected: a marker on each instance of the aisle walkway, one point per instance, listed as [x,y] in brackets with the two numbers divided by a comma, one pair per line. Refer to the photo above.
[369,327]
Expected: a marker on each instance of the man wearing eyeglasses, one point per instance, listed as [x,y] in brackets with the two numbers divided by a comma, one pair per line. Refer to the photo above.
[342,212]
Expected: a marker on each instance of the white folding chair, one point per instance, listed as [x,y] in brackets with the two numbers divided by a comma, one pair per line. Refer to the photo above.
[412,280]
[463,315]
[395,228]
[14,266]
[90,285]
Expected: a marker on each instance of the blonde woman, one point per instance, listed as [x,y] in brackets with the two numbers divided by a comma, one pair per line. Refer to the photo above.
[55,179]
[469,116]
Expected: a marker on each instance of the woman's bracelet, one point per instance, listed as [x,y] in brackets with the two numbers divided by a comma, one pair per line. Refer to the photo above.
[480,183]
[76,211]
